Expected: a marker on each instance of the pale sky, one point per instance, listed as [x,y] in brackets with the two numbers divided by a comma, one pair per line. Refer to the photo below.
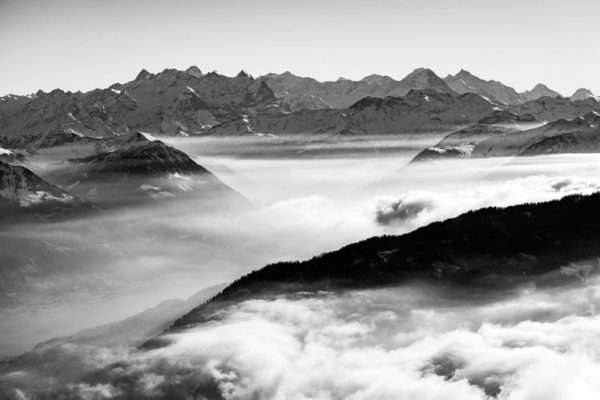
[84,44]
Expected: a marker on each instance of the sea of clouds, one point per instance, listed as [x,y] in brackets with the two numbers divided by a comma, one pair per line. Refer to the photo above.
[406,343]
[397,343]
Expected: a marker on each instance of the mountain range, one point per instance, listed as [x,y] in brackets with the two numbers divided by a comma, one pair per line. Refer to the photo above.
[189,102]
[418,110]
[343,92]
[578,135]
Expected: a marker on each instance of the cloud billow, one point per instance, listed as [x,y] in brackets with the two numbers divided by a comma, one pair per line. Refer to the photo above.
[416,208]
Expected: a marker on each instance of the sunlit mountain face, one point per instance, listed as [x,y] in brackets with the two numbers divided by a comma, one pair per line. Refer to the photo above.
[192,234]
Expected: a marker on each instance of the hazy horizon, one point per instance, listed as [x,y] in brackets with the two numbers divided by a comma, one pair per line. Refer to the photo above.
[82,45]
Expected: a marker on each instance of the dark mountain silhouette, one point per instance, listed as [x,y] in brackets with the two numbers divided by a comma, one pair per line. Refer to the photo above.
[141,169]
[492,248]
[579,135]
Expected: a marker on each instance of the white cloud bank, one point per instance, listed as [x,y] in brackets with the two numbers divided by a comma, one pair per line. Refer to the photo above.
[420,207]
[402,343]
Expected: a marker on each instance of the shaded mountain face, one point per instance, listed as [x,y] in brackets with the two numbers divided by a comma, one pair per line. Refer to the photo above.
[517,143]
[489,248]
[583,140]
[52,138]
[96,113]
[460,144]
[500,117]
[194,71]
[555,108]
[425,79]
[20,187]
[419,110]
[24,196]
[14,97]
[558,137]
[583,94]
[144,155]
[592,118]
[567,143]
[182,102]
[465,82]
[308,93]
[141,169]
[168,102]
[539,90]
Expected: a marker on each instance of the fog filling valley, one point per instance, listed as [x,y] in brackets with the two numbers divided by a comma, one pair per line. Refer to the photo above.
[306,198]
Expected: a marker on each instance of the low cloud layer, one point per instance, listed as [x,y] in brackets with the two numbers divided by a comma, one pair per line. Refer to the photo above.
[402,343]
[417,208]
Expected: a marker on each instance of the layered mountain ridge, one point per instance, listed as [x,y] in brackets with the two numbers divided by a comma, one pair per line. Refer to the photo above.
[577,135]
[190,102]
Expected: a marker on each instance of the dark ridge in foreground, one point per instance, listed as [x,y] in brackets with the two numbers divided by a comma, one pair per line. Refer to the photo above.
[490,248]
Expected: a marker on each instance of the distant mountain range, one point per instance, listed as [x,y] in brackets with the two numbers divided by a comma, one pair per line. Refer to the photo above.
[343,92]
[578,135]
[418,110]
[189,102]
